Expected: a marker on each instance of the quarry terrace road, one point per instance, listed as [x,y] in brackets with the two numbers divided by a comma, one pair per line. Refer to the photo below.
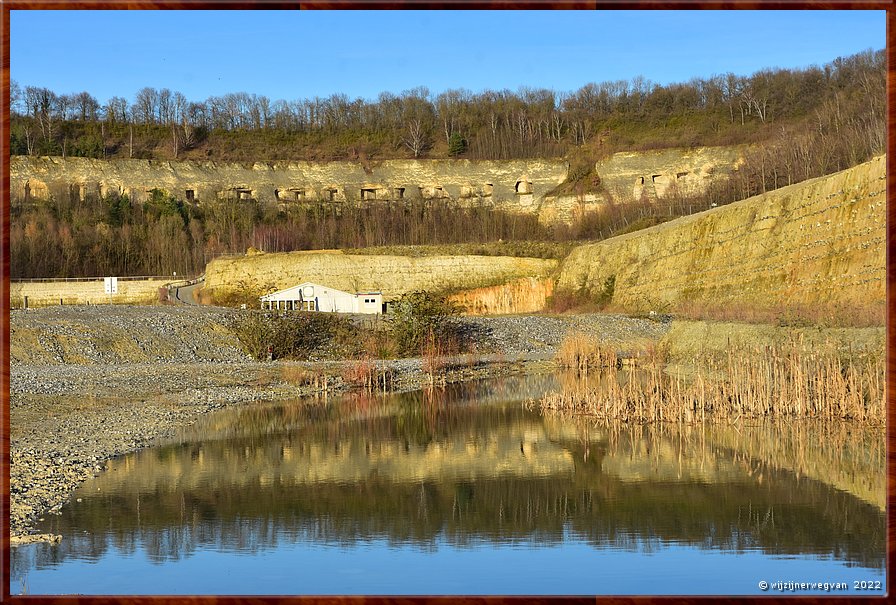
[185,294]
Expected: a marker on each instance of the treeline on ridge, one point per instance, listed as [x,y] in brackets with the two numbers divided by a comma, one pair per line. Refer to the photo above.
[531,122]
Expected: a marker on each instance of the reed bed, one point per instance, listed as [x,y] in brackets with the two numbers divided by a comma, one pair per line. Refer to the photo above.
[582,353]
[364,372]
[781,381]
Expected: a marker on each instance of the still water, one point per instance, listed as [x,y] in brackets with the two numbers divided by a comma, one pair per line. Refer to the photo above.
[466,490]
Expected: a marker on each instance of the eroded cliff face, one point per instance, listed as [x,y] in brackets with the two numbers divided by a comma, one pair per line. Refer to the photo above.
[651,175]
[392,275]
[821,241]
[520,186]
[509,185]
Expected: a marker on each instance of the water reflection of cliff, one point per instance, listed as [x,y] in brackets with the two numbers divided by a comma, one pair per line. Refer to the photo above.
[424,468]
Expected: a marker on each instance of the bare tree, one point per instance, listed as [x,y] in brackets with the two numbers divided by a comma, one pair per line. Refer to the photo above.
[116,110]
[16,98]
[178,107]
[86,106]
[415,137]
[146,105]
[41,103]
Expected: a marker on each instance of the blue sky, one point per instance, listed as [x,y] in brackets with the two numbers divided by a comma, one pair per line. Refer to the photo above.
[303,54]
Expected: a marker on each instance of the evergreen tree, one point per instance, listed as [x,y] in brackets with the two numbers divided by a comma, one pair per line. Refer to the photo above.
[456,145]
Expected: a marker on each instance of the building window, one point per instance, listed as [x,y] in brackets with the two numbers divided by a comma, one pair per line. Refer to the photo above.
[308,305]
[330,194]
[523,187]
[190,195]
[399,193]
[488,189]
[368,194]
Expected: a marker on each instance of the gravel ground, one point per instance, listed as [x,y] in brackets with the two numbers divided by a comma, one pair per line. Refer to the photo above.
[91,383]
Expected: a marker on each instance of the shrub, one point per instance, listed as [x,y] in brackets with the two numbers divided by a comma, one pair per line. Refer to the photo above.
[287,335]
[605,297]
[422,319]
[582,299]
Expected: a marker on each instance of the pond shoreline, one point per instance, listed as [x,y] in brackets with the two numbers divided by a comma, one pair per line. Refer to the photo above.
[77,401]
[65,439]
[79,397]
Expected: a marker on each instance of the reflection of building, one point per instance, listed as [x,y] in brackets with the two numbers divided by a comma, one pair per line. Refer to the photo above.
[315,297]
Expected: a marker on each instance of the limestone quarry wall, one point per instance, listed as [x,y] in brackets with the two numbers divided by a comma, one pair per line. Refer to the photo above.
[525,295]
[655,173]
[821,241]
[392,275]
[48,293]
[632,176]
[511,185]
[516,185]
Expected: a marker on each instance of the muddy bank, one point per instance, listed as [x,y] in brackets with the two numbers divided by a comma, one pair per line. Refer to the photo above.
[89,384]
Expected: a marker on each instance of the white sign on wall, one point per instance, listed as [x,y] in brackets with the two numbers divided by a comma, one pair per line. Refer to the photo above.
[111,284]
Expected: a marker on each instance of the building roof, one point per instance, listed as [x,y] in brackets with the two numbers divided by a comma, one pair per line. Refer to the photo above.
[294,292]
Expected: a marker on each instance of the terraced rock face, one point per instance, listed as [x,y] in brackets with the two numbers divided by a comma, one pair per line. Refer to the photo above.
[821,241]
[518,186]
[515,186]
[652,175]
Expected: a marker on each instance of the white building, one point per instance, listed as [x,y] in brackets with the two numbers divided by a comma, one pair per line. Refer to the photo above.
[315,297]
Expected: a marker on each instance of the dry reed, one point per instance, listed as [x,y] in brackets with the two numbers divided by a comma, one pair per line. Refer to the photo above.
[580,352]
[303,377]
[785,381]
[365,373]
[433,357]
